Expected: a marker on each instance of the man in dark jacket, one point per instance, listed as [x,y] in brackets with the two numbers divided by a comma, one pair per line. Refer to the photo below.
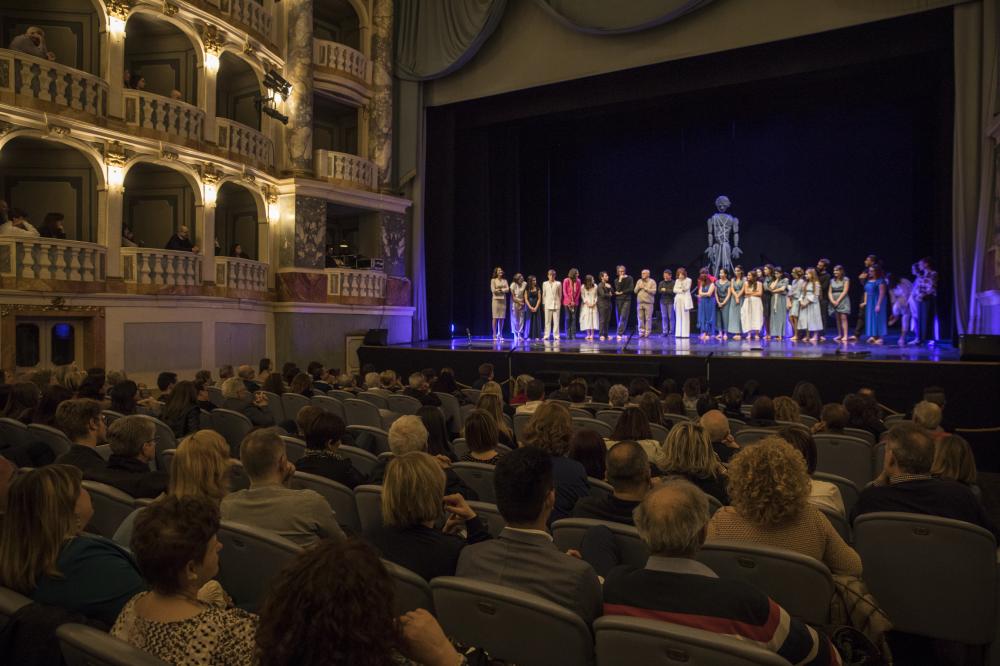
[133,447]
[83,424]
[628,473]
[238,399]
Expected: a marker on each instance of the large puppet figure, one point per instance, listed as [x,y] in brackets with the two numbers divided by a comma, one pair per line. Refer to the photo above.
[721,227]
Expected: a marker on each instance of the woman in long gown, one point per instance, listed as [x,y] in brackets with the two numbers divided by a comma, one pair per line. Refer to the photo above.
[840,302]
[706,306]
[794,294]
[498,291]
[604,294]
[588,307]
[723,295]
[779,304]
[766,277]
[810,311]
[752,312]
[682,303]
[736,303]
[533,305]
[874,303]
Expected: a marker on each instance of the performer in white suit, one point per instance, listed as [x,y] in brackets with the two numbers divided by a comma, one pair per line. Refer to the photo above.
[552,302]
[682,303]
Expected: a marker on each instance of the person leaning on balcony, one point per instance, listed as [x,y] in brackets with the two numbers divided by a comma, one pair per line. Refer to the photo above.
[32,42]
[52,226]
[181,241]
[16,224]
[238,252]
[128,238]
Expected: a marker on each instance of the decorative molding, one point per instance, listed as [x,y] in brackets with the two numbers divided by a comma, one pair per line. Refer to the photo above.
[170,9]
[58,130]
[115,154]
[169,155]
[56,304]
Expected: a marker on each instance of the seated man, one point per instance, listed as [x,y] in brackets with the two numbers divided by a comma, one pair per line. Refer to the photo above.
[16,224]
[302,516]
[906,483]
[323,433]
[83,424]
[237,399]
[716,424]
[165,381]
[181,241]
[408,433]
[319,375]
[535,393]
[32,42]
[247,374]
[628,473]
[676,588]
[133,446]
[485,375]
[419,388]
[618,396]
[524,556]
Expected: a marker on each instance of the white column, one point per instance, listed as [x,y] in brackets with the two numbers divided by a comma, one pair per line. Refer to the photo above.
[204,217]
[113,71]
[206,101]
[110,207]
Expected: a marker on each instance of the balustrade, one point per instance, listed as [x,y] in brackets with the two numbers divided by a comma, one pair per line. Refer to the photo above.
[244,142]
[47,81]
[349,169]
[31,257]
[168,268]
[342,58]
[244,274]
[355,283]
[163,114]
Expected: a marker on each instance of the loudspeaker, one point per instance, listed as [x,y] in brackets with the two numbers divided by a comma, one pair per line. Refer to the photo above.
[377,337]
[979,347]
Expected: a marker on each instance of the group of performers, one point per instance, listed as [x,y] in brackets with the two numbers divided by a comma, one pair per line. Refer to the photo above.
[761,303]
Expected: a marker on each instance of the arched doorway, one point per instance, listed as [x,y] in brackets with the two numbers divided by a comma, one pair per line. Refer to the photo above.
[158,202]
[237,221]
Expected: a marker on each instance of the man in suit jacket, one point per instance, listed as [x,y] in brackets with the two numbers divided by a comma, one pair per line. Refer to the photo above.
[237,399]
[83,424]
[133,447]
[552,302]
[628,473]
[624,286]
[524,555]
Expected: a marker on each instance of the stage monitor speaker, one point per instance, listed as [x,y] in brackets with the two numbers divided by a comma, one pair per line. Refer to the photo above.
[377,337]
[979,347]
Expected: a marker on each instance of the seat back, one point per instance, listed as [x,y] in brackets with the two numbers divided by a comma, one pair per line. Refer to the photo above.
[521,420]
[339,394]
[13,433]
[749,436]
[362,413]
[578,413]
[490,514]
[295,448]
[609,416]
[674,419]
[626,641]
[403,404]
[168,459]
[368,499]
[331,405]
[479,477]
[233,427]
[861,434]
[569,532]
[362,461]
[291,403]
[838,521]
[11,601]
[599,488]
[378,438]
[800,584]
[373,398]
[85,646]
[412,591]
[735,425]
[659,432]
[588,423]
[274,406]
[452,411]
[511,625]
[472,394]
[460,447]
[845,456]
[215,395]
[933,576]
[808,421]
[337,495]
[205,420]
[54,438]
[165,439]
[848,490]
[249,561]
[111,507]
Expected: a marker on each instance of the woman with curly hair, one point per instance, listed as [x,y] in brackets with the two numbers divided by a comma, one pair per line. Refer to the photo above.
[551,429]
[687,452]
[333,606]
[769,489]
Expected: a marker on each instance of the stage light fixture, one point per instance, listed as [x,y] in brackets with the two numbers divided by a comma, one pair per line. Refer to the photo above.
[277,90]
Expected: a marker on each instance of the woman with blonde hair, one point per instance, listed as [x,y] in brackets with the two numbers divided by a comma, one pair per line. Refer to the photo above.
[687,452]
[954,461]
[493,404]
[44,556]
[550,429]
[412,497]
[769,488]
[519,395]
[786,409]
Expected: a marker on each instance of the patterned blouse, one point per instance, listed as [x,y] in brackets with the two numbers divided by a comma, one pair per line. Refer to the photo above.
[214,637]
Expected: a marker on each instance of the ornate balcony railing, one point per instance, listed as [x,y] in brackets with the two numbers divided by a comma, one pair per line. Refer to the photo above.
[244,142]
[31,257]
[244,274]
[355,283]
[345,168]
[168,268]
[173,117]
[47,81]
[242,13]
[343,59]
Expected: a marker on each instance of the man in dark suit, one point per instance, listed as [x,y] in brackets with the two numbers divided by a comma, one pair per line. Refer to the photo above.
[628,473]
[83,424]
[906,483]
[165,382]
[524,555]
[133,447]
[417,387]
[624,287]
[237,399]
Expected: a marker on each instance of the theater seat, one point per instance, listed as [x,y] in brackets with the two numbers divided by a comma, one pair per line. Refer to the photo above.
[412,591]
[479,477]
[337,495]
[369,502]
[490,514]
[111,507]
[85,646]
[249,560]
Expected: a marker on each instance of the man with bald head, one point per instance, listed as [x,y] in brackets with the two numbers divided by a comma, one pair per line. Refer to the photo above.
[716,424]
[627,470]
[181,241]
[32,42]
[675,587]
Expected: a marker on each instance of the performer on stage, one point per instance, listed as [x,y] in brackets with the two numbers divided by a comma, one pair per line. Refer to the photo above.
[874,303]
[517,288]
[752,312]
[535,310]
[823,272]
[588,307]
[766,278]
[721,226]
[778,314]
[624,285]
[706,305]
[870,261]
[839,297]
[551,300]
[666,291]
[723,296]
[645,291]
[499,289]
[736,303]
[795,300]
[682,304]
[904,305]
[571,302]
[925,295]
[810,315]
[604,293]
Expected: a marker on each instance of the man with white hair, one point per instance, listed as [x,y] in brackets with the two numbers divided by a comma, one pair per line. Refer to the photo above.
[927,415]
[238,399]
[32,42]
[417,387]
[675,587]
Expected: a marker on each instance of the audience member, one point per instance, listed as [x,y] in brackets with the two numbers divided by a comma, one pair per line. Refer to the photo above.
[408,433]
[833,418]
[22,402]
[577,392]
[247,374]
[672,522]
[301,516]
[32,42]
[205,377]
[371,381]
[323,438]
[302,384]
[265,368]
[637,388]
[418,388]
[204,398]
[388,380]
[495,406]
[732,401]
[599,389]
[652,407]
[628,473]
[181,411]
[83,424]
[786,409]
[687,452]
[236,398]
[633,425]
[927,415]
[485,375]
[52,226]
[588,448]
[523,556]
[317,371]
[821,493]
[124,400]
[274,384]
[864,413]
[482,436]
[673,403]
[226,372]
[184,617]
[954,461]
[549,429]
[691,391]
[705,404]
[181,240]
[562,393]
[133,447]
[445,383]
[751,391]
[762,413]
[92,387]
[716,425]
[493,388]
[535,394]
[17,224]
[52,397]
[807,396]
[438,440]
[519,394]
[165,382]
[618,396]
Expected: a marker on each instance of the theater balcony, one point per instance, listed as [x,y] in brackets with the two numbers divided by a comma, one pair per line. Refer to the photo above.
[41,84]
[342,68]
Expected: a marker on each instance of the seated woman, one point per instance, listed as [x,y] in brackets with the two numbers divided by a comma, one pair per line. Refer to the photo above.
[334,605]
[673,403]
[688,452]
[493,404]
[821,493]
[125,400]
[634,426]
[762,413]
[550,429]
[22,402]
[833,418]
[786,409]
[954,461]
[492,388]
[438,441]
[769,488]
[412,497]
[482,436]
[274,384]
[179,620]
[652,407]
[43,555]
[587,447]
[323,434]
[52,397]
[445,383]
[182,412]
[303,385]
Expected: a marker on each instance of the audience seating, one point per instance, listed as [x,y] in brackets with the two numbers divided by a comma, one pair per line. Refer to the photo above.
[609,416]
[626,641]
[54,438]
[466,410]
[85,646]
[893,419]
[838,521]
[579,413]
[111,507]
[472,394]
[215,395]
[168,458]
[368,499]
[337,495]
[659,432]
[808,421]
[735,425]
[452,411]
[110,416]
[274,406]
[502,448]
[800,584]
[165,439]
[362,413]
[412,591]
[233,427]
[104,450]
[599,488]
[513,626]
[362,460]
[932,576]
[565,403]
[378,436]
[748,436]
[866,435]
[378,390]
[460,447]
[520,421]
[238,479]
[674,419]
[331,405]
[403,404]
[11,602]
[249,560]
[339,394]
[845,456]
[569,533]
[490,514]
[479,477]
[588,423]
[374,398]
[205,420]
[793,424]
[848,489]
[291,403]
[13,433]
[295,448]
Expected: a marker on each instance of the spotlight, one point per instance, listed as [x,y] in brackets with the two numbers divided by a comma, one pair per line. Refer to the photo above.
[277,90]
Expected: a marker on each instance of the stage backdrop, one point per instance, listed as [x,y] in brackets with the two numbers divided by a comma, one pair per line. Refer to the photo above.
[835,146]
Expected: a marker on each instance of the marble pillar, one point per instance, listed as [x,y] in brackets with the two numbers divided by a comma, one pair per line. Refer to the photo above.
[380,115]
[395,243]
[303,244]
[298,72]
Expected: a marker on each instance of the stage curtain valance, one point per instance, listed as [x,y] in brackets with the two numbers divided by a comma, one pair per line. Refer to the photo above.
[600,17]
[435,38]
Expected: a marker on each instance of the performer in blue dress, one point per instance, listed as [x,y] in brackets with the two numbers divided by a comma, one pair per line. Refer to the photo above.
[875,305]
[735,303]
[723,295]
[778,314]
[706,305]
